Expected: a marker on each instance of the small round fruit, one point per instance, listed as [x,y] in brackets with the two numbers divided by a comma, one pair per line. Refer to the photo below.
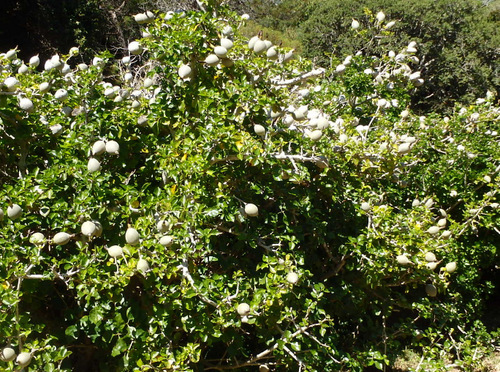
[446,234]
[37,238]
[243,309]
[433,230]
[404,148]
[112,147]
[220,51]
[185,71]
[451,267]
[115,251]
[430,257]
[14,211]
[23,359]
[143,265]
[251,210]
[132,236]
[135,48]
[26,105]
[61,238]
[226,43]
[212,60]
[44,87]
[441,222]
[8,354]
[316,135]
[88,228]
[98,147]
[93,165]
[162,226]
[259,130]
[365,206]
[292,278]
[167,240]
[61,95]
[402,260]
[354,24]
[11,83]
[272,53]
[431,290]
[431,265]
[259,46]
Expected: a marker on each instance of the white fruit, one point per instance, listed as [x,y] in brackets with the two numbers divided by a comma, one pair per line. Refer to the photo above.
[162,226]
[88,228]
[37,238]
[243,309]
[259,130]
[402,259]
[23,359]
[115,251]
[292,278]
[132,236]
[167,240]
[61,238]
[135,48]
[365,206]
[82,66]
[433,230]
[141,18]
[251,210]
[340,69]
[56,129]
[451,267]
[441,222]
[431,265]
[212,60]
[112,147]
[44,87]
[226,43]
[220,51]
[11,83]
[259,46]
[185,71]
[355,24]
[272,53]
[390,24]
[431,290]
[34,61]
[8,354]
[14,211]
[315,135]
[26,105]
[288,56]
[252,41]
[61,95]
[227,31]
[98,147]
[148,82]
[93,165]
[143,265]
[446,234]
[380,16]
[430,257]
[404,148]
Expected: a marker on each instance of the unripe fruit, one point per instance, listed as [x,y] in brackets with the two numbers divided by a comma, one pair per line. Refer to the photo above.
[14,211]
[292,278]
[402,259]
[315,135]
[431,290]
[135,48]
[88,228]
[8,354]
[390,24]
[259,130]
[220,51]
[340,69]
[143,265]
[93,165]
[112,147]
[226,43]
[430,257]
[185,71]
[365,206]
[167,240]
[23,359]
[259,46]
[433,230]
[243,309]
[61,238]
[37,238]
[98,147]
[98,228]
[61,95]
[132,236]
[115,251]
[26,105]
[451,267]
[212,60]
[251,210]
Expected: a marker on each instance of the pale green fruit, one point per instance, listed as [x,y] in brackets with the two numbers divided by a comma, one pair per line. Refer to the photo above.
[433,230]
[26,105]
[167,240]
[212,60]
[220,51]
[322,123]
[11,54]
[14,211]
[56,129]
[115,251]
[390,24]
[315,135]
[143,265]
[251,210]
[93,165]
[226,43]
[61,238]
[8,354]
[37,238]
[98,147]
[132,236]
[365,206]
[451,267]
[135,48]
[402,259]
[415,203]
[23,359]
[135,104]
[259,46]
[430,257]
[243,309]
[259,130]
[292,278]
[404,114]
[88,228]
[340,69]
[431,290]
[82,66]
[185,71]
[112,147]
[61,95]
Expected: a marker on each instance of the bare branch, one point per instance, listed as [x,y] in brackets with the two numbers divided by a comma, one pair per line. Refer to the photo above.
[299,79]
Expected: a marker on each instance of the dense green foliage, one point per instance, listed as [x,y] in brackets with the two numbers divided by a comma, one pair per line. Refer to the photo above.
[247,212]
